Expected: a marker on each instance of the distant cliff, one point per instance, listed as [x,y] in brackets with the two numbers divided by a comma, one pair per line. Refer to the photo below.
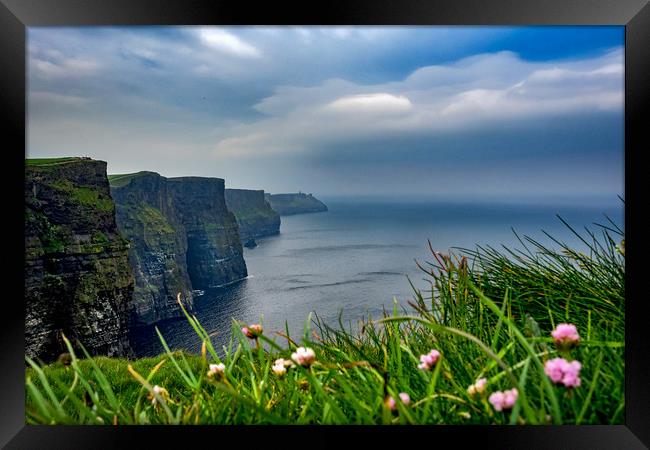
[214,249]
[183,238]
[77,276]
[254,214]
[287,204]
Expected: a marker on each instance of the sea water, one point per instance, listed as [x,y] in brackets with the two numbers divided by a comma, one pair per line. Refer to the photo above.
[357,258]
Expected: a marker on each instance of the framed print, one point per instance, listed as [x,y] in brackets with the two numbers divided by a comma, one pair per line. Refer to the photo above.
[351,221]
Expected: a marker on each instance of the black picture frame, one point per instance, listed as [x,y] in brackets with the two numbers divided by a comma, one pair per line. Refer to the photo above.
[16,15]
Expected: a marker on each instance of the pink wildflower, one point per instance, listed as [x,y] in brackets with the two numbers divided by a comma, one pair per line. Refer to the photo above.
[304,356]
[504,400]
[510,397]
[252,331]
[561,371]
[392,404]
[281,365]
[428,361]
[565,335]
[478,387]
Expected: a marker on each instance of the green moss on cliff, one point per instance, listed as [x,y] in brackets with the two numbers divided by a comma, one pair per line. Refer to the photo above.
[53,237]
[153,219]
[156,230]
[99,238]
[89,197]
[254,215]
[92,198]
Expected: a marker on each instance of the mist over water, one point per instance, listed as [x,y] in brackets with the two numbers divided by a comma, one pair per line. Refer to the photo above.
[355,258]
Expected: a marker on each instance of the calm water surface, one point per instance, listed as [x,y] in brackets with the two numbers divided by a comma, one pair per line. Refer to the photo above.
[356,258]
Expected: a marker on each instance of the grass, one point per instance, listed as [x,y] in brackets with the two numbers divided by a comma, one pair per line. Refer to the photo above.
[122,179]
[87,196]
[92,198]
[50,161]
[153,220]
[488,312]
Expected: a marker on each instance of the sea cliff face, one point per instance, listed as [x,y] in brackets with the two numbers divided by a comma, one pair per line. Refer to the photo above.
[287,204]
[214,248]
[77,275]
[148,217]
[183,238]
[254,214]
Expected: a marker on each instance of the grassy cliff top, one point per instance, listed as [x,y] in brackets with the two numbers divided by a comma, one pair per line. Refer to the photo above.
[53,161]
[122,179]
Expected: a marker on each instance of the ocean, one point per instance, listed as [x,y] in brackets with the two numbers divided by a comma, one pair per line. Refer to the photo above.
[355,259]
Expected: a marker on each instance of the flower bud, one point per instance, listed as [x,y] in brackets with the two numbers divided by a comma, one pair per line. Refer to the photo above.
[252,331]
[216,370]
[391,403]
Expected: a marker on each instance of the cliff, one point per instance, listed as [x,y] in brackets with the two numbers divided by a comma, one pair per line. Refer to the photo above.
[254,214]
[183,238]
[77,276]
[287,204]
[214,249]
[147,216]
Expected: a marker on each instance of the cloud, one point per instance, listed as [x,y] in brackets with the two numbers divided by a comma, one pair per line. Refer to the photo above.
[379,103]
[226,42]
[64,67]
[557,74]
[479,92]
[247,145]
[60,99]
[312,34]
[280,107]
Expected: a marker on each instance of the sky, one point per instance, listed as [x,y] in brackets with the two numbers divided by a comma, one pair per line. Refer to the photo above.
[442,111]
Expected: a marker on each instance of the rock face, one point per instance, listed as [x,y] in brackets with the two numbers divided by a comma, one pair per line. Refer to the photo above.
[214,249]
[254,214]
[287,204]
[147,216]
[183,238]
[77,275]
